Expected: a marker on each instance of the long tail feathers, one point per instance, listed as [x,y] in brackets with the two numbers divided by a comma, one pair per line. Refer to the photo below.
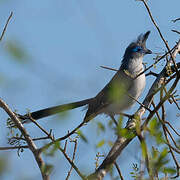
[57,109]
[51,111]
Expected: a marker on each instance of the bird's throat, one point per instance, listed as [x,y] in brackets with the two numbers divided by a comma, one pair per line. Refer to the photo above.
[135,66]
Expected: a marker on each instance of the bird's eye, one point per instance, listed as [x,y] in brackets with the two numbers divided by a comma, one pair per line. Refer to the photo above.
[137,49]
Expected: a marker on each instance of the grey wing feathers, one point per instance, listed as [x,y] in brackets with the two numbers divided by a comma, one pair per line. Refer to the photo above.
[105,97]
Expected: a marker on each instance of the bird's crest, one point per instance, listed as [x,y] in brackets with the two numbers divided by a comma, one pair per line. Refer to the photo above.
[141,40]
[134,46]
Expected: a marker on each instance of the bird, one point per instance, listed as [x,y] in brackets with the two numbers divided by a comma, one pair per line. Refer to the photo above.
[122,91]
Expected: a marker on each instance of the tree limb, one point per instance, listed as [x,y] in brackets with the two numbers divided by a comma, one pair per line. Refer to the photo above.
[28,139]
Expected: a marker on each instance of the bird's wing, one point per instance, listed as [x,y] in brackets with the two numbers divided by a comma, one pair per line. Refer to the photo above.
[113,91]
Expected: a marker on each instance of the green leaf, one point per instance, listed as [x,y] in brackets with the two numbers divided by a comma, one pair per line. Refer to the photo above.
[154,129]
[120,121]
[100,144]
[81,135]
[159,162]
[155,153]
[50,151]
[16,51]
[126,133]
[159,138]
[47,168]
[169,170]
[143,148]
[101,126]
[153,125]
[110,123]
[3,164]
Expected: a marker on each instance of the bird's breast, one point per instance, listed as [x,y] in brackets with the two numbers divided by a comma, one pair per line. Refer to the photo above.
[137,86]
[128,99]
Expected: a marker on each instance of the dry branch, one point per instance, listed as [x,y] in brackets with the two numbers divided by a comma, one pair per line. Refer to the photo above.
[5,27]
[27,137]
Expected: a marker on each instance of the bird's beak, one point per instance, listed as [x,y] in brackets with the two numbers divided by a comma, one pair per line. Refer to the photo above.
[147,51]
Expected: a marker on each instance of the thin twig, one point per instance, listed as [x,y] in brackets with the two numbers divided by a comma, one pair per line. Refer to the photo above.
[140,103]
[13,147]
[105,67]
[5,27]
[34,139]
[65,145]
[165,90]
[173,30]
[172,138]
[126,115]
[172,153]
[166,97]
[177,19]
[114,120]
[61,149]
[151,73]
[145,149]
[162,57]
[40,127]
[119,171]
[159,31]
[72,164]
[167,131]
[74,153]
[172,127]
[175,102]
[62,138]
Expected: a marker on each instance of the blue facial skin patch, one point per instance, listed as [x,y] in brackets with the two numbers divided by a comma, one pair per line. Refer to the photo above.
[137,48]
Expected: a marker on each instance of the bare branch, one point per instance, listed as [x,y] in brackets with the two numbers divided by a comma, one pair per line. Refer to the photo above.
[119,171]
[74,153]
[142,105]
[13,147]
[172,153]
[172,127]
[159,31]
[34,139]
[72,163]
[152,73]
[61,149]
[175,102]
[164,126]
[178,19]
[114,120]
[29,141]
[105,67]
[5,27]
[173,30]
[64,137]
[145,149]
[162,57]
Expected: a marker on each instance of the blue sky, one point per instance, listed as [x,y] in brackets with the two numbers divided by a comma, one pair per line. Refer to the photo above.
[65,43]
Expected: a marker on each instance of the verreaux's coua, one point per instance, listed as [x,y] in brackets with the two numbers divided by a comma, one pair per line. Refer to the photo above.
[119,94]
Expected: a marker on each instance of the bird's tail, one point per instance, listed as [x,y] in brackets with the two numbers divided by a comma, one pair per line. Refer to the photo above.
[51,111]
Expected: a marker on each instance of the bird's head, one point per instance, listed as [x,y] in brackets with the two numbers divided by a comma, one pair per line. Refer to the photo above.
[137,49]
